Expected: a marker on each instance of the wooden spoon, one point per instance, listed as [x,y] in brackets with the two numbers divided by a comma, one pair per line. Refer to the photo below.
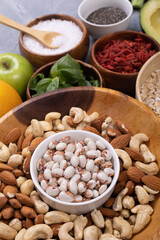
[44,37]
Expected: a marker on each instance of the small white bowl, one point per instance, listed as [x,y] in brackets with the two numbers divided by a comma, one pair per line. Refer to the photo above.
[96,30]
[75,208]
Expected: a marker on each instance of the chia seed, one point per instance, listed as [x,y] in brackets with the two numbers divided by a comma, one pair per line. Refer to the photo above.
[106,15]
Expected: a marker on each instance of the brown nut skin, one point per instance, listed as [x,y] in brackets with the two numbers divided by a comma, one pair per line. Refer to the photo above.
[17,214]
[91,129]
[121,141]
[2,186]
[12,136]
[107,212]
[97,123]
[25,200]
[135,174]
[134,154]
[17,173]
[118,188]
[10,190]
[90,222]
[55,228]
[19,143]
[130,185]
[7,212]
[28,212]
[28,223]
[15,203]
[122,127]
[71,123]
[26,164]
[109,202]
[27,140]
[39,219]
[3,201]
[6,167]
[7,178]
[123,176]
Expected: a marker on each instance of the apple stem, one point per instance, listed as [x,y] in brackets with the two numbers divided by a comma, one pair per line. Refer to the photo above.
[5,65]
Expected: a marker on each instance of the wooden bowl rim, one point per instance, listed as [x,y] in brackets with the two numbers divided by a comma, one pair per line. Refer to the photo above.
[105,37]
[57,16]
[138,83]
[92,89]
[53,62]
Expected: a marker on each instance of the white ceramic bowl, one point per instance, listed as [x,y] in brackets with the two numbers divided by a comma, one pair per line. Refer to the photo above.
[97,31]
[76,208]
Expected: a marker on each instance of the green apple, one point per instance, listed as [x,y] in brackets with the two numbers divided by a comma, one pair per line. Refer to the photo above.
[16,71]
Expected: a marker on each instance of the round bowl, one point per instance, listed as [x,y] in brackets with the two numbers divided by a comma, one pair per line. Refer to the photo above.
[98,30]
[80,207]
[144,74]
[133,113]
[124,82]
[87,70]
[38,60]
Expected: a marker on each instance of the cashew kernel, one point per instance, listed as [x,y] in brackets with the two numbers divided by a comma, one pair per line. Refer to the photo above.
[117,205]
[137,140]
[37,128]
[56,217]
[148,156]
[79,224]
[4,152]
[64,230]
[12,148]
[142,207]
[108,236]
[142,220]
[38,231]
[92,232]
[40,206]
[27,187]
[142,195]
[149,169]
[128,202]
[20,234]
[16,224]
[77,114]
[7,232]
[65,123]
[108,226]
[124,156]
[91,117]
[97,218]
[123,226]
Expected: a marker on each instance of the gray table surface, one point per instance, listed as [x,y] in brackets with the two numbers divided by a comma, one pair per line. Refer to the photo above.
[23,11]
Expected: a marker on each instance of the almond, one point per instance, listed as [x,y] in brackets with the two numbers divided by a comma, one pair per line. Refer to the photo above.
[12,136]
[28,212]
[118,188]
[123,176]
[71,123]
[97,123]
[5,167]
[15,203]
[2,186]
[10,191]
[27,141]
[25,200]
[35,142]
[121,141]
[89,218]
[91,129]
[26,164]
[135,174]
[134,154]
[130,185]
[3,201]
[109,202]
[39,219]
[107,212]
[29,223]
[17,214]
[19,143]
[7,212]
[17,173]
[152,182]
[122,127]
[7,178]
[55,228]
[111,132]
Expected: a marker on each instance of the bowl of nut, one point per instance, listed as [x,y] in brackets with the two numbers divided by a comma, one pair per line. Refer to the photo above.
[75,171]
[148,83]
[119,57]
[131,128]
[73,39]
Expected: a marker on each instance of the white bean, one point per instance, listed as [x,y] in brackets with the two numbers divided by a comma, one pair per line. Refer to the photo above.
[82,161]
[52,191]
[102,189]
[47,174]
[44,185]
[55,165]
[57,172]
[66,196]
[72,186]
[106,154]
[68,172]
[82,187]
[78,145]
[78,198]
[74,160]
[102,177]
[88,193]
[48,165]
[75,177]
[91,145]
[99,160]
[109,171]
[85,176]
[95,193]
[90,165]
[63,164]
[63,186]
[61,146]
[68,155]
[53,182]
[58,158]
[92,154]
[91,184]
[70,148]
[100,145]
[52,144]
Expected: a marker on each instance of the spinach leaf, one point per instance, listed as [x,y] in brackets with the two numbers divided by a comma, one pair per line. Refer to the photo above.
[35,80]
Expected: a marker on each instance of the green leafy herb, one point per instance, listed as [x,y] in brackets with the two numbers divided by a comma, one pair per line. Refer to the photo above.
[66,72]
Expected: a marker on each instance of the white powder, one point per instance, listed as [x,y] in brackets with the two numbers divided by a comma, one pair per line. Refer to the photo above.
[72,35]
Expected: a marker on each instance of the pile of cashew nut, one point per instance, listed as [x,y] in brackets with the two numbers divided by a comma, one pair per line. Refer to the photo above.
[23,214]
